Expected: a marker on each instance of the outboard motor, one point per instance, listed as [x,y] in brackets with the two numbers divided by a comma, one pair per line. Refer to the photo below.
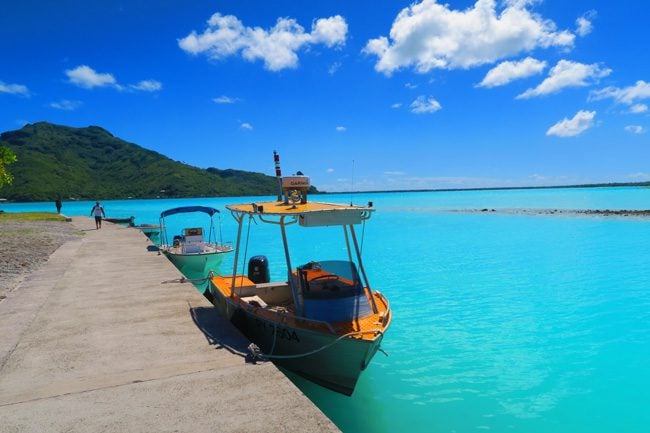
[258,270]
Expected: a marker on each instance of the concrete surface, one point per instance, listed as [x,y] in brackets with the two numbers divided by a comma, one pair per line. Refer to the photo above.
[100,339]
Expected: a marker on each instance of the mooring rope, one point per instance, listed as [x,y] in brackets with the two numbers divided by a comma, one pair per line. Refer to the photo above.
[256,352]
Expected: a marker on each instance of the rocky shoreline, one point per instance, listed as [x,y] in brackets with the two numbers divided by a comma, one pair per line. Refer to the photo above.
[562,212]
[26,245]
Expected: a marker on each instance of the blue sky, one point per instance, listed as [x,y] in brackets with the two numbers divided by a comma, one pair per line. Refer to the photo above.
[363,94]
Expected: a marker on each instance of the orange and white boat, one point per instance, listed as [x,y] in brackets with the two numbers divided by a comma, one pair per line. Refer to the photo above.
[323,321]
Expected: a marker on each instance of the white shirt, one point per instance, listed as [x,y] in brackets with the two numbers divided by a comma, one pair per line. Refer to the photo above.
[97,210]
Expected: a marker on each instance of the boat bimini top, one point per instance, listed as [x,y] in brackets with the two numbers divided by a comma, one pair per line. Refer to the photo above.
[187,209]
[212,235]
[310,214]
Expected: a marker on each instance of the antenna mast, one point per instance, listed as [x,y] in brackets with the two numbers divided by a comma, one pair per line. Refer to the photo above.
[278,174]
[352,190]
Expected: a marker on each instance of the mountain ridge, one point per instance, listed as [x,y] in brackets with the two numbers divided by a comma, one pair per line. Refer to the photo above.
[91,163]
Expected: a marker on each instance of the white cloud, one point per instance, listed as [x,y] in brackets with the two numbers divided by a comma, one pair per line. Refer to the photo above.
[329,31]
[584,24]
[582,121]
[547,180]
[424,105]
[334,68]
[341,129]
[639,175]
[396,105]
[225,36]
[401,181]
[638,108]
[329,170]
[14,89]
[86,77]
[147,86]
[65,104]
[223,99]
[411,86]
[247,126]
[428,35]
[627,95]
[567,74]
[635,129]
[507,72]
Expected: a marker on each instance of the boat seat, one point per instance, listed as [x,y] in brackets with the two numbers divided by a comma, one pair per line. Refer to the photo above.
[192,248]
[255,301]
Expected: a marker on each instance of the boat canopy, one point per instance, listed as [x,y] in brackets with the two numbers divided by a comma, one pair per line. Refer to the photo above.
[188,209]
[310,214]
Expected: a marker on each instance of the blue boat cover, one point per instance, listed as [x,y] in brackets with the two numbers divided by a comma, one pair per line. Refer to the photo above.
[186,209]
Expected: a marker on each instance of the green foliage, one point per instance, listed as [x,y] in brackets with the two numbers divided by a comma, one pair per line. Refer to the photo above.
[30,216]
[90,163]
[6,157]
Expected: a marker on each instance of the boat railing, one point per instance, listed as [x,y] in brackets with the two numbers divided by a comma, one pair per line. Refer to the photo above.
[226,245]
[386,317]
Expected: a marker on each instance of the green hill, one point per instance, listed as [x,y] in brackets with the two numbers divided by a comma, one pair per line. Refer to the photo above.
[90,163]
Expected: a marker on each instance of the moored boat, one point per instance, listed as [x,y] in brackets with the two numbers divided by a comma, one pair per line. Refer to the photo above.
[324,321]
[152,231]
[127,222]
[192,253]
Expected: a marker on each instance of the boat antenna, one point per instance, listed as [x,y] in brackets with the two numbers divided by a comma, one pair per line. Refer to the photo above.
[352,190]
[278,174]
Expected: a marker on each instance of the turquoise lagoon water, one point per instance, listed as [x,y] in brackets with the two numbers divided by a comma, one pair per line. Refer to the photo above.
[501,322]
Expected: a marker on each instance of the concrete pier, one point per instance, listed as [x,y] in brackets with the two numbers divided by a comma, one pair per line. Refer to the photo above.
[100,339]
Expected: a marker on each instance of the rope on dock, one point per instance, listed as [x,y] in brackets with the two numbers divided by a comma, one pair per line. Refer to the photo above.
[182,280]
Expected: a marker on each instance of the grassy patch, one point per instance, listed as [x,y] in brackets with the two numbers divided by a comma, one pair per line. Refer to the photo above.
[30,216]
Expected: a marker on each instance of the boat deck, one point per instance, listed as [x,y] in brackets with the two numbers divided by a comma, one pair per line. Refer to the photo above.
[366,326]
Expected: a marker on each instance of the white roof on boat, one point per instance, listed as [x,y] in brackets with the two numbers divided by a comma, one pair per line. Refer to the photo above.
[310,214]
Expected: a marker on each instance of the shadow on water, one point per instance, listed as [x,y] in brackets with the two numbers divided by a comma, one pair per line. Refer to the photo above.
[218,331]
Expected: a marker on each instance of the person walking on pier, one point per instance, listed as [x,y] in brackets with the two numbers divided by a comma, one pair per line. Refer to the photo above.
[57,203]
[98,211]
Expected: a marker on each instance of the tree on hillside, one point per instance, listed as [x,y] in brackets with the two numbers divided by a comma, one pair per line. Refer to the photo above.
[6,157]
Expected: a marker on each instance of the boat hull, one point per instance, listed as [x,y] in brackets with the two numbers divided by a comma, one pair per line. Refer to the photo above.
[195,266]
[152,232]
[327,359]
[126,222]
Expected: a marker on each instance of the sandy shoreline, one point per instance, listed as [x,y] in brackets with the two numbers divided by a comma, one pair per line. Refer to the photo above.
[26,245]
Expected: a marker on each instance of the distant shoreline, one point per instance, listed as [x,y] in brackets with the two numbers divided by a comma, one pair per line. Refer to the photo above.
[560,212]
[502,188]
